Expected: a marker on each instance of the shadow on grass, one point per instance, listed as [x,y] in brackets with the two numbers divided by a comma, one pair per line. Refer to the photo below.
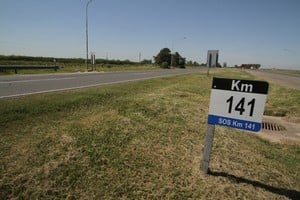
[292,194]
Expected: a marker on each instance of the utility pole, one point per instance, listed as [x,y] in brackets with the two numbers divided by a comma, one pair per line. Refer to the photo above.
[140,55]
[87,34]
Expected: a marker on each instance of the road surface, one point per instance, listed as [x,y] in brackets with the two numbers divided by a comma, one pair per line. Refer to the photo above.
[20,85]
[288,80]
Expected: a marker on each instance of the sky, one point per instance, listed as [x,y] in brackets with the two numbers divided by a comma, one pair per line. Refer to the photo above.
[265,32]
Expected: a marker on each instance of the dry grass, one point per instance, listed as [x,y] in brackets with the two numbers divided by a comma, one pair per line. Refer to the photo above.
[141,140]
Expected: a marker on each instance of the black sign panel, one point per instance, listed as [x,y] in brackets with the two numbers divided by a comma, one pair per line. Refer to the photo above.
[248,86]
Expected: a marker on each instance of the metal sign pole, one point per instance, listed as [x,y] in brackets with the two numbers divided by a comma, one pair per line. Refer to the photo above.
[208,147]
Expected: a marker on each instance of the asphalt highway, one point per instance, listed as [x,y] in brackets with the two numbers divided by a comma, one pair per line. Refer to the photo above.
[20,85]
[288,80]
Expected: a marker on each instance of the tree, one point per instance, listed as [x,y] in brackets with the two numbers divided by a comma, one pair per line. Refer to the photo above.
[163,58]
[196,64]
[181,62]
[190,63]
[146,62]
[175,59]
[178,61]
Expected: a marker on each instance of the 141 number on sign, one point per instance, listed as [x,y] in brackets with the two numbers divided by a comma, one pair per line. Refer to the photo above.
[240,106]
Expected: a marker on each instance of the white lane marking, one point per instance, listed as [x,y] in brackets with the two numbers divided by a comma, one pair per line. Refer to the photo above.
[36,80]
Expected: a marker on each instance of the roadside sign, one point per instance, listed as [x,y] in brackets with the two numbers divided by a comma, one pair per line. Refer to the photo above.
[234,103]
[237,103]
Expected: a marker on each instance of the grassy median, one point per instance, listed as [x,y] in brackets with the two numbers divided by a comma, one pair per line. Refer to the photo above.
[138,140]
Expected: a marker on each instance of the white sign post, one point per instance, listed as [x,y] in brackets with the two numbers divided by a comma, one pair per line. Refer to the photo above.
[234,103]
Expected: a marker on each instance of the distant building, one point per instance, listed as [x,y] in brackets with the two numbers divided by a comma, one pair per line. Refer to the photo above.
[250,66]
[212,58]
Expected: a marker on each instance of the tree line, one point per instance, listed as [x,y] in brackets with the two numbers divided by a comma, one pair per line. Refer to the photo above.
[165,59]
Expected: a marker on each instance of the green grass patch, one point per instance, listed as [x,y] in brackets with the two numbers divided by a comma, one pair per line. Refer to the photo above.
[72,67]
[138,140]
[283,102]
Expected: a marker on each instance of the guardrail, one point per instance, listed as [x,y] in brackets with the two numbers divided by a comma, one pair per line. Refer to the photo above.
[26,67]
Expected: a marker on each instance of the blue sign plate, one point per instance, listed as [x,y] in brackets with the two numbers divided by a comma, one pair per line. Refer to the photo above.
[234,123]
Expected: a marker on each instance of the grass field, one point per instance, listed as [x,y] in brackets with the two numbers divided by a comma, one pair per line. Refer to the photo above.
[140,140]
[68,64]
[71,67]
